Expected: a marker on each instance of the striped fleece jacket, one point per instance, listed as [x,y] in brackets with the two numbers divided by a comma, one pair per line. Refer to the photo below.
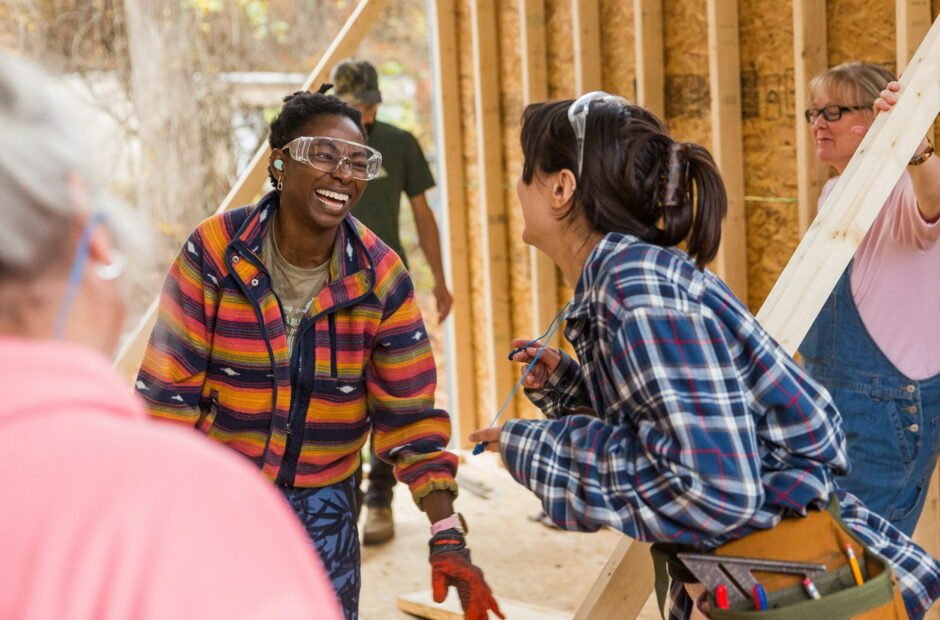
[218,359]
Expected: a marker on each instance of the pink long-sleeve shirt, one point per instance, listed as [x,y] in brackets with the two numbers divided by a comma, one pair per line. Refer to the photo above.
[107,514]
[896,282]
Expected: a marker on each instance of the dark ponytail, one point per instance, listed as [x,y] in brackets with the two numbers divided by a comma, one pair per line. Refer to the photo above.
[635,179]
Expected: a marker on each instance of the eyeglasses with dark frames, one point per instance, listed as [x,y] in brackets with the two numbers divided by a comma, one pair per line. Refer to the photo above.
[831,113]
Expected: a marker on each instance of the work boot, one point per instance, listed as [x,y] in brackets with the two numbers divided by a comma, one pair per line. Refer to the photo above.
[379,526]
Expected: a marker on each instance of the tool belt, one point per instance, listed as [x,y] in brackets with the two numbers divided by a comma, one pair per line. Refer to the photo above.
[819,538]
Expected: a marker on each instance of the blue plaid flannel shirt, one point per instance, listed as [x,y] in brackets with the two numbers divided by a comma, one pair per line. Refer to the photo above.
[685,421]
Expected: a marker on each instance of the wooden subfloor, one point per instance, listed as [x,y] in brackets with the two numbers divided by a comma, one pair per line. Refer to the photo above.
[522,560]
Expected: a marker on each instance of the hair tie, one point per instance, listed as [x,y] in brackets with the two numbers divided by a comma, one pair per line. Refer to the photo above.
[676,173]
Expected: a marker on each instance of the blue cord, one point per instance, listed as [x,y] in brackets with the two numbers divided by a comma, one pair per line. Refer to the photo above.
[75,274]
[552,328]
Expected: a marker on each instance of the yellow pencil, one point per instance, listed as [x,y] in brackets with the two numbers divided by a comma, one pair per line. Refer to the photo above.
[853,562]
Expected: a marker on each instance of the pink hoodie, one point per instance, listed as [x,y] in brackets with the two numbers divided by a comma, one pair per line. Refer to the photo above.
[105,514]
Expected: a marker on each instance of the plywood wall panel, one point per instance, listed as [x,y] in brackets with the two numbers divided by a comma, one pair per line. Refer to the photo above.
[617,50]
[560,43]
[685,36]
[861,30]
[767,105]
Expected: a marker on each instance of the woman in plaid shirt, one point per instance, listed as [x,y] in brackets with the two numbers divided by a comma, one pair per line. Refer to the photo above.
[683,421]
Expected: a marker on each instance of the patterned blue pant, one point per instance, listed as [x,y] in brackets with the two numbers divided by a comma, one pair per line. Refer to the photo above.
[329,516]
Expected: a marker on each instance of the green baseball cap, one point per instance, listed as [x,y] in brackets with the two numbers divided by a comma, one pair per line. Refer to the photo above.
[356,80]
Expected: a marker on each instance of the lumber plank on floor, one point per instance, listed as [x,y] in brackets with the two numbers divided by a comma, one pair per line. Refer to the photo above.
[421,604]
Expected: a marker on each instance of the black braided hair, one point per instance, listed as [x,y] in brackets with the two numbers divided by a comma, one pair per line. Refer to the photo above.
[302,107]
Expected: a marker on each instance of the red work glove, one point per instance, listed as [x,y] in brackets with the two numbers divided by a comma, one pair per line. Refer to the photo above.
[451,566]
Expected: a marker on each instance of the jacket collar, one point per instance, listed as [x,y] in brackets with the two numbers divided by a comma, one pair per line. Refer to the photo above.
[352,272]
[44,376]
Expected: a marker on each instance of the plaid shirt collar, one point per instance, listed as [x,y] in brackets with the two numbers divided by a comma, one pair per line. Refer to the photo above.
[580,308]
[581,303]
[611,245]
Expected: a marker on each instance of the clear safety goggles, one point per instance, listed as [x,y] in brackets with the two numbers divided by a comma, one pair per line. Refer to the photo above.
[328,154]
[578,113]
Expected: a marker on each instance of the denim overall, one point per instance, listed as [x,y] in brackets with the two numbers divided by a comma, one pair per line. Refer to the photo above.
[892,423]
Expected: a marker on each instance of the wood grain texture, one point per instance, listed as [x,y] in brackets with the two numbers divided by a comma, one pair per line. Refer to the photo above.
[913,21]
[534,66]
[631,569]
[451,183]
[649,52]
[724,71]
[422,605]
[809,60]
[586,27]
[494,243]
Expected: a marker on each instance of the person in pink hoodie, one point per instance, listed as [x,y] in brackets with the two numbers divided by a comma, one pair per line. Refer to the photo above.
[105,513]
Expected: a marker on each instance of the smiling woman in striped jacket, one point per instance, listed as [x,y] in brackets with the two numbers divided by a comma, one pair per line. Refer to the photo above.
[287,331]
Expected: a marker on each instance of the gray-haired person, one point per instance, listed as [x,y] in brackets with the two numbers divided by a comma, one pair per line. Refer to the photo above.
[105,513]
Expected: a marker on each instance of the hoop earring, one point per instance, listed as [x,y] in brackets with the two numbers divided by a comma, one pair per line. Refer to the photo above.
[280,182]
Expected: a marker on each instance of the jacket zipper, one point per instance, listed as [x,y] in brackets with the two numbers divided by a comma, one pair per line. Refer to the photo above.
[332,323]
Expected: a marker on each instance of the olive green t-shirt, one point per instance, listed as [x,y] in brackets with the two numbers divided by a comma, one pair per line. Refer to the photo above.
[404,169]
[294,286]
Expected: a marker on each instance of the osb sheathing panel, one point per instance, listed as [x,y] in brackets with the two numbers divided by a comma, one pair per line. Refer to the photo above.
[510,102]
[861,30]
[560,44]
[768,128]
[685,38]
[617,48]
[475,223]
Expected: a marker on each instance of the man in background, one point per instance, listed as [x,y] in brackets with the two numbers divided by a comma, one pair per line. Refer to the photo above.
[404,169]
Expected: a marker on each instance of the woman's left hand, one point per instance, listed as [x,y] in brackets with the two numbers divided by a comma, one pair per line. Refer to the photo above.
[489,435]
[887,98]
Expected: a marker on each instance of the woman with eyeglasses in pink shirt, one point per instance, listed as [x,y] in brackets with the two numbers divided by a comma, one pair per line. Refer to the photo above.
[876,343]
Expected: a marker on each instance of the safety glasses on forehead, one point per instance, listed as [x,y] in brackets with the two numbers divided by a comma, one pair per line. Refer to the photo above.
[328,154]
[578,113]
